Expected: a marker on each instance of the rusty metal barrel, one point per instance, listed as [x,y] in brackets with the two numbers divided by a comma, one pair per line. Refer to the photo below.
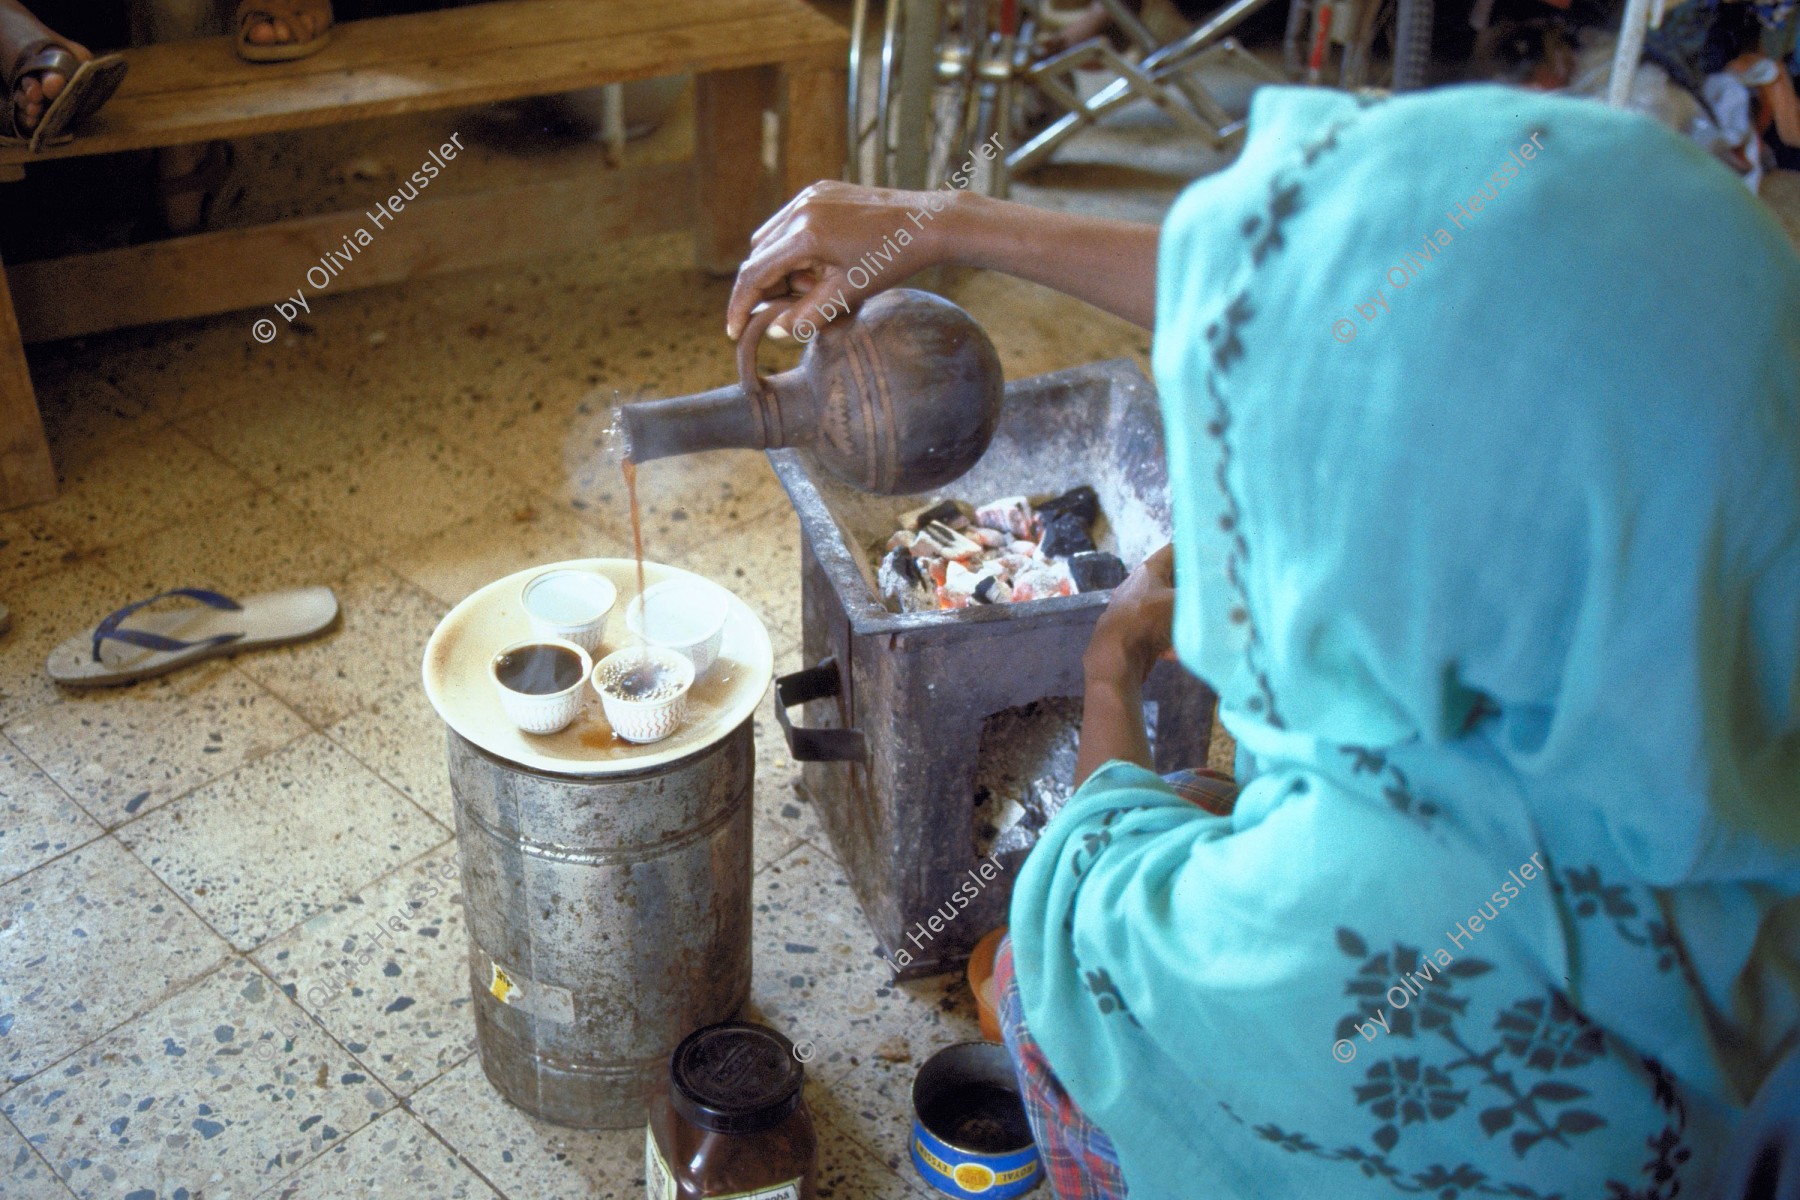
[607,918]
[606,884]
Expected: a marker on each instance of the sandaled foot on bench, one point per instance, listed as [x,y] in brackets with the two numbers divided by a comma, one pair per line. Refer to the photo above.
[51,81]
[280,30]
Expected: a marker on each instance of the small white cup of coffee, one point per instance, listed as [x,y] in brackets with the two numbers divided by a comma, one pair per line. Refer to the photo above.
[539,681]
[569,604]
[684,615]
[644,690]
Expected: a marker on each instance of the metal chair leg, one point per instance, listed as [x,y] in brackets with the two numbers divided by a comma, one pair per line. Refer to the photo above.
[612,122]
[1163,69]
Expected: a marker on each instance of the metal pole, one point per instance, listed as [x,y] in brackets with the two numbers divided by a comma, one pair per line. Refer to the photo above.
[1631,48]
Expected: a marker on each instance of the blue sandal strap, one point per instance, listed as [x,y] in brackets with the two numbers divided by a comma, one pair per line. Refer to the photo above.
[108,629]
[156,641]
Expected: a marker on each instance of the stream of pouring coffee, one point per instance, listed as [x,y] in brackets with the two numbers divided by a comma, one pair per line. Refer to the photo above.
[637,545]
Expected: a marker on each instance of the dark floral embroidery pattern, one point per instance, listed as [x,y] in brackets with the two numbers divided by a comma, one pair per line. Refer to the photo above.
[1591,896]
[1669,1147]
[1539,1036]
[1563,1033]
[1436,1008]
[1284,202]
[1394,784]
[1264,232]
[1100,985]
[1106,994]
[1310,154]
[1402,1088]
[1222,335]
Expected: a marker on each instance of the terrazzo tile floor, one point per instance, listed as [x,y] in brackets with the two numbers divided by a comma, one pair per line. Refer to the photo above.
[185,863]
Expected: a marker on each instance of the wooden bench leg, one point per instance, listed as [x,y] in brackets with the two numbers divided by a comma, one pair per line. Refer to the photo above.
[812,125]
[26,473]
[732,190]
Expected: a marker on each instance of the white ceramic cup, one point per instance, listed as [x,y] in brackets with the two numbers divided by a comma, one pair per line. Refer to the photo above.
[569,604]
[542,712]
[686,616]
[648,720]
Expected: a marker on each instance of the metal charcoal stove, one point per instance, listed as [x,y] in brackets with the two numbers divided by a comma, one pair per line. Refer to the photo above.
[915,724]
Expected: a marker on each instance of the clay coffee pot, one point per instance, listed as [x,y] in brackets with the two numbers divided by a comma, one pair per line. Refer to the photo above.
[900,398]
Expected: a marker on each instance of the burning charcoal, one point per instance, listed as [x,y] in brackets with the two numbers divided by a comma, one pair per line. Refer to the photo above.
[952,544]
[921,545]
[903,585]
[942,510]
[991,589]
[1064,536]
[1082,502]
[989,539]
[905,566]
[1096,571]
[960,581]
[1009,513]
[1027,548]
[1042,582]
[1014,565]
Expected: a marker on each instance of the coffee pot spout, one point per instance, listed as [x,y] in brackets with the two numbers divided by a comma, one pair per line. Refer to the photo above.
[722,419]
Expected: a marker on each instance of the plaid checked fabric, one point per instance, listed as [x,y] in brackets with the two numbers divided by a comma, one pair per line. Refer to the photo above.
[1079,1159]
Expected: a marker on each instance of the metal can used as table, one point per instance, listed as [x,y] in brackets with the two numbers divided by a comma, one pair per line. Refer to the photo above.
[607,918]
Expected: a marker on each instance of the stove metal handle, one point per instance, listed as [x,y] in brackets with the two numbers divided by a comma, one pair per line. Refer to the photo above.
[816,745]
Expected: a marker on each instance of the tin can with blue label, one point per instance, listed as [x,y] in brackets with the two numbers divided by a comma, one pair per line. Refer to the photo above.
[970,1138]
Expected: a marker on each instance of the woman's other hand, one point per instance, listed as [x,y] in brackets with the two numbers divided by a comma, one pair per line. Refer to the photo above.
[1133,632]
[1137,627]
[829,236]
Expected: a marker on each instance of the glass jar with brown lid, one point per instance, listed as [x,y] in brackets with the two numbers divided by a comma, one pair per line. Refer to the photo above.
[732,1121]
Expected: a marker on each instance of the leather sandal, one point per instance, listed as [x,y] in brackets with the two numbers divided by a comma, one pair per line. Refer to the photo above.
[90,84]
[254,12]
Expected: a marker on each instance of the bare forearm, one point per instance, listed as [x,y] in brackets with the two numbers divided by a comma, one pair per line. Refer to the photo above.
[1785,106]
[1112,726]
[1109,264]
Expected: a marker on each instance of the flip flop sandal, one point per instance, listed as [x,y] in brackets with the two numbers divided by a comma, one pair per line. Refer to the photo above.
[159,642]
[90,85]
[253,11]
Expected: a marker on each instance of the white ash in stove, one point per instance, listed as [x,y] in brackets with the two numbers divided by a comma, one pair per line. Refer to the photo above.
[1025,770]
[950,555]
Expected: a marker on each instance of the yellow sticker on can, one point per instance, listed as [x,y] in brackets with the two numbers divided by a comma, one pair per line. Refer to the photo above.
[973,1177]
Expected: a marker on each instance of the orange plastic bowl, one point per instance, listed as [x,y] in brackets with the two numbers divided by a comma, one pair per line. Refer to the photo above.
[981,982]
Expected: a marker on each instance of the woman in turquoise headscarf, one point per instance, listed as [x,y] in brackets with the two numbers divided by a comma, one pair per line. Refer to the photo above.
[1483,417]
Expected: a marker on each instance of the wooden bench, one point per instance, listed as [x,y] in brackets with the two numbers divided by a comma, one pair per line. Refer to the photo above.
[749,58]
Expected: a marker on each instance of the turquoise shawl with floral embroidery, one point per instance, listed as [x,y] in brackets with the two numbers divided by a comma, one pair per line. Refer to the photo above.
[1483,412]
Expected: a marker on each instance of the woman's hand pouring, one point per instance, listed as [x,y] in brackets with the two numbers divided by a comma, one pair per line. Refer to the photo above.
[837,244]
[832,247]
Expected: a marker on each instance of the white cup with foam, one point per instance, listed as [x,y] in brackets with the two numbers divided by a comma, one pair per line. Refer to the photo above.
[643,691]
